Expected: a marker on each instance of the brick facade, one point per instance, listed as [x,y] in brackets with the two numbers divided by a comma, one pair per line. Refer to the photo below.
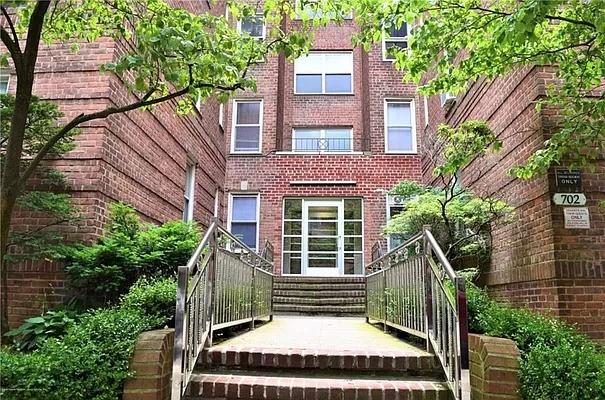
[536,262]
[139,158]
[371,171]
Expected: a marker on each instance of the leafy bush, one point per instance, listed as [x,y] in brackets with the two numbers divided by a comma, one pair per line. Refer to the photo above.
[91,360]
[156,300]
[557,362]
[99,274]
[34,331]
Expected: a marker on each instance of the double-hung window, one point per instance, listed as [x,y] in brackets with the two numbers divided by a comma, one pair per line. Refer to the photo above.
[396,38]
[247,126]
[322,140]
[400,136]
[253,26]
[243,218]
[188,197]
[324,73]
[4,78]
[395,207]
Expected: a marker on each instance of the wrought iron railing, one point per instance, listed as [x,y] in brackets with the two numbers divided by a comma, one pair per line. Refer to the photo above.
[225,283]
[321,144]
[414,289]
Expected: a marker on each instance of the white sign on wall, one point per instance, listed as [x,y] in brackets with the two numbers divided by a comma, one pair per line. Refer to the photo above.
[576,218]
[569,199]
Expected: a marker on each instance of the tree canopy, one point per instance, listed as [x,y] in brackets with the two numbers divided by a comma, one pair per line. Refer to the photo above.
[456,42]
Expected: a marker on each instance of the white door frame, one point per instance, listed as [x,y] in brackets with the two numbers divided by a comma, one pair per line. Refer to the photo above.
[339,270]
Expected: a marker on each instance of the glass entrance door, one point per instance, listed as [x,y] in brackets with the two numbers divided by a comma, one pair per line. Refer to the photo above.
[322,236]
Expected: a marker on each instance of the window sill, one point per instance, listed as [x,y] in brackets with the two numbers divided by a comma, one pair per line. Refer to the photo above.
[246,154]
[401,153]
[324,94]
[316,153]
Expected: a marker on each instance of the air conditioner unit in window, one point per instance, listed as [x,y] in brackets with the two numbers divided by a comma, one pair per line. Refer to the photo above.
[396,200]
[447,99]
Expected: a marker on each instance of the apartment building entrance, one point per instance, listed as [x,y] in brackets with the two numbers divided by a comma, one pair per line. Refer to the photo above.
[323,237]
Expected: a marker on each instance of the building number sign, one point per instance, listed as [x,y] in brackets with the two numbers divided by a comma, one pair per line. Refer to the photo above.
[569,199]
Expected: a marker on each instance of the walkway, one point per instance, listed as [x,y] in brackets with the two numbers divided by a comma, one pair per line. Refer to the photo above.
[334,334]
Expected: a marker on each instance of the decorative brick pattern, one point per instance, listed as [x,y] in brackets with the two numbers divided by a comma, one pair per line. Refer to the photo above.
[151,364]
[494,368]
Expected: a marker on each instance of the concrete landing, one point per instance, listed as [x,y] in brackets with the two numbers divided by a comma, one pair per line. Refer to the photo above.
[334,334]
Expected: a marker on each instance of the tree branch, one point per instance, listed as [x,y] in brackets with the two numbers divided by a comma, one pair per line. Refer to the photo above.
[12,28]
[13,49]
[34,32]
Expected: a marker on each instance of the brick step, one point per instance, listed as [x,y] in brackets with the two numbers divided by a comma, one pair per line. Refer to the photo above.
[260,386]
[315,279]
[319,293]
[351,361]
[320,286]
[321,309]
[318,300]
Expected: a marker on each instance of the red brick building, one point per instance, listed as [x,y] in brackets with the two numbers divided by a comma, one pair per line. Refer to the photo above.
[314,152]
[166,166]
[539,261]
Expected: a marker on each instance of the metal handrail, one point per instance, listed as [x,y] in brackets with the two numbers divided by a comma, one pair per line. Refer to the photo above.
[224,283]
[414,289]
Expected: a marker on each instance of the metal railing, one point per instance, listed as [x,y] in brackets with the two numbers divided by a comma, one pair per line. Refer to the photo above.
[225,283]
[321,144]
[414,289]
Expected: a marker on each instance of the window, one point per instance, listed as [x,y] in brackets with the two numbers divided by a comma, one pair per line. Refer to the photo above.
[4,78]
[253,26]
[309,8]
[396,38]
[189,192]
[323,140]
[399,127]
[394,207]
[353,237]
[243,218]
[292,236]
[247,126]
[426,111]
[324,73]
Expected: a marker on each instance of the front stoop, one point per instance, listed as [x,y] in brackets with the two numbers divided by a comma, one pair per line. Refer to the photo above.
[319,295]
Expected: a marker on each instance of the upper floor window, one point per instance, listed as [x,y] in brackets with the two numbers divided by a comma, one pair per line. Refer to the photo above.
[253,26]
[4,78]
[396,38]
[189,192]
[324,73]
[322,140]
[243,218]
[310,9]
[400,136]
[247,126]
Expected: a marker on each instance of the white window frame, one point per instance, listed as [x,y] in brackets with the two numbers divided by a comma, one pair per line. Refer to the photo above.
[264,34]
[234,125]
[386,38]
[323,74]
[426,111]
[322,135]
[8,81]
[189,193]
[413,125]
[230,214]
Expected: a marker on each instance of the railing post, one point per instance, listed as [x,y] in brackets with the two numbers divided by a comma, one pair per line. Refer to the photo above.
[212,282]
[384,295]
[462,320]
[271,301]
[253,295]
[428,305]
[179,332]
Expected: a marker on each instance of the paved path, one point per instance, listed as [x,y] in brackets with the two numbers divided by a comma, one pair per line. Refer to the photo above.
[321,333]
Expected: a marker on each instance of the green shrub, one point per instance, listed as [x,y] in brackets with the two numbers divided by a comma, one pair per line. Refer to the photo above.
[156,300]
[99,274]
[90,361]
[34,331]
[557,362]
[563,372]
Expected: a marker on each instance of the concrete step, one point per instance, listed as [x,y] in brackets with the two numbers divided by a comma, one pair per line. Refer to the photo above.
[318,300]
[411,363]
[319,293]
[270,387]
[319,286]
[319,309]
[316,279]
